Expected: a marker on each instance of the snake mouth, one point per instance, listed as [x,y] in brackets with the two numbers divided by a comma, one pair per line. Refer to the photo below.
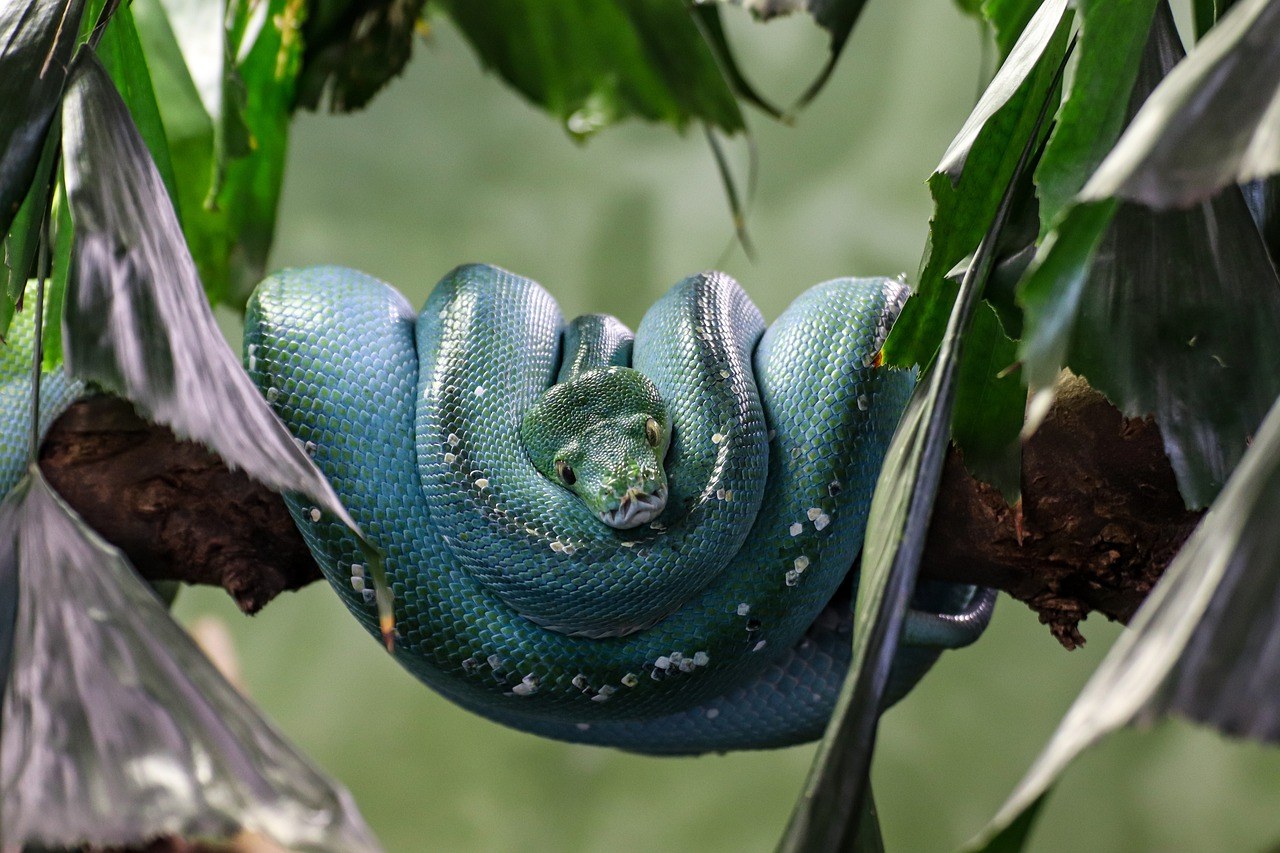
[635,508]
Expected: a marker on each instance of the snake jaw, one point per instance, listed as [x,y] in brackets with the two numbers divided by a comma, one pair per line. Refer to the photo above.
[636,508]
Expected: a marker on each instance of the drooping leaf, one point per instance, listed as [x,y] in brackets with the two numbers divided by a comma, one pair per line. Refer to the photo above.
[23,240]
[36,40]
[832,809]
[1166,313]
[1203,643]
[136,320]
[122,56]
[968,183]
[707,17]
[62,233]
[353,49]
[837,17]
[990,402]
[592,63]
[228,223]
[1112,38]
[1211,123]
[116,728]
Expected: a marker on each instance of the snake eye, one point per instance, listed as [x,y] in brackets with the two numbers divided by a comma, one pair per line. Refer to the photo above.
[652,432]
[566,472]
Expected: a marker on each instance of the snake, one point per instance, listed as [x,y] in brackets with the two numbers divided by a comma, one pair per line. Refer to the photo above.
[642,540]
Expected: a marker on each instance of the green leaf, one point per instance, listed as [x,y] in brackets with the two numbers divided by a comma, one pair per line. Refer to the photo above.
[990,402]
[36,40]
[1202,644]
[230,232]
[63,232]
[1008,18]
[837,17]
[592,63]
[1166,313]
[974,171]
[353,49]
[23,240]
[125,729]
[831,812]
[136,320]
[1210,124]
[121,54]
[1112,38]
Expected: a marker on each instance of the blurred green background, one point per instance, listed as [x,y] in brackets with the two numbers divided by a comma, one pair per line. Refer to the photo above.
[448,166]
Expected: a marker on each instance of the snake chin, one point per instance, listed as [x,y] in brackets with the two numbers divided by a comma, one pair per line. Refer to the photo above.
[636,508]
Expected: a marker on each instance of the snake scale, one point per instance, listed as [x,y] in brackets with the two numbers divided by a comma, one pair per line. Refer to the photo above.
[640,541]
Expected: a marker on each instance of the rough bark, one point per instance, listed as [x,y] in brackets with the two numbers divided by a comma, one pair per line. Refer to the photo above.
[1100,515]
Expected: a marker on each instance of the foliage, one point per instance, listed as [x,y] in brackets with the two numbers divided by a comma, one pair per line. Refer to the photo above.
[1098,226]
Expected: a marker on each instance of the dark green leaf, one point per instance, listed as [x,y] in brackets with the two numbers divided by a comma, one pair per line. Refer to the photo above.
[23,241]
[837,17]
[36,40]
[121,54]
[592,63]
[1202,644]
[1210,124]
[353,49]
[125,730]
[1165,313]
[990,402]
[1112,38]
[230,234]
[832,810]
[160,347]
[1014,837]
[707,16]
[976,168]
[63,233]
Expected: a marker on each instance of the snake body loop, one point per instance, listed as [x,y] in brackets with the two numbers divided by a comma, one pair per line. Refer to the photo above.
[719,625]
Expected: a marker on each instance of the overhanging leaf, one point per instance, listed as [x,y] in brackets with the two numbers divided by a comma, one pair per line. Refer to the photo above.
[23,240]
[1213,122]
[116,728]
[36,40]
[1202,644]
[831,811]
[592,63]
[136,319]
[1112,37]
[837,17]
[353,49]
[1166,313]
[968,183]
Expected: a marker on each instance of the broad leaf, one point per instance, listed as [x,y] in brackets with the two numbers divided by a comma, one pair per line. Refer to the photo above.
[23,240]
[1202,644]
[1112,37]
[1165,313]
[968,183]
[36,40]
[136,320]
[831,812]
[227,203]
[592,63]
[1215,121]
[353,49]
[116,729]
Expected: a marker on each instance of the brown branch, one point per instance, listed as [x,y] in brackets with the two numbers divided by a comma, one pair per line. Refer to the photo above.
[1099,519]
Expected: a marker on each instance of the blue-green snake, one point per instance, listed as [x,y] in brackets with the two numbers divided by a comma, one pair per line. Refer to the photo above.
[645,543]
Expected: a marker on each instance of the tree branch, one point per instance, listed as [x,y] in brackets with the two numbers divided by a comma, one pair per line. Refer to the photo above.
[1100,516]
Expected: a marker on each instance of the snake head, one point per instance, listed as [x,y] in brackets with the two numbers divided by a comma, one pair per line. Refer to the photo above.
[602,435]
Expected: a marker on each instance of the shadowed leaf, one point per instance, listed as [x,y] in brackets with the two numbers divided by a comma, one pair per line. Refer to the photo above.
[1213,122]
[136,319]
[833,808]
[116,728]
[36,40]
[353,49]
[1166,313]
[968,183]
[592,63]
[1202,644]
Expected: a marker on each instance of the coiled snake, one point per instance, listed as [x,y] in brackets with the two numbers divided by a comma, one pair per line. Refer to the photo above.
[643,542]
